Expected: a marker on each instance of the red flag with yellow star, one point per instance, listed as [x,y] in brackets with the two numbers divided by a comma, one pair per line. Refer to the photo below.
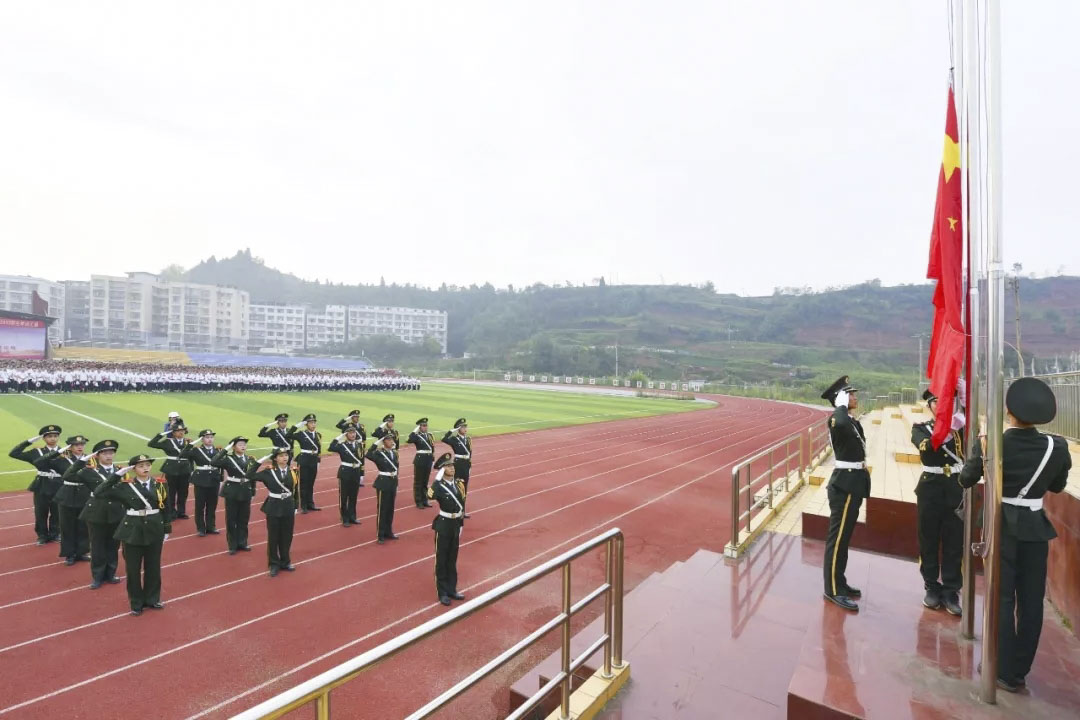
[947,345]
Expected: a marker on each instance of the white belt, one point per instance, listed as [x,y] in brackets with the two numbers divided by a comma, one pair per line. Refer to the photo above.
[946,470]
[388,474]
[350,465]
[308,452]
[846,465]
[463,457]
[452,516]
[72,484]
[280,496]
[204,467]
[423,452]
[142,513]
[230,478]
[49,474]
[1035,504]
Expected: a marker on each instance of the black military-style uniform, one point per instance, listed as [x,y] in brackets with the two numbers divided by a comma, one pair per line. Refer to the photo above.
[1025,539]
[386,485]
[207,481]
[177,471]
[424,442]
[309,447]
[382,431]
[347,421]
[461,446]
[238,491]
[71,498]
[102,516]
[848,485]
[142,532]
[278,437]
[449,494]
[280,508]
[940,529]
[44,487]
[350,475]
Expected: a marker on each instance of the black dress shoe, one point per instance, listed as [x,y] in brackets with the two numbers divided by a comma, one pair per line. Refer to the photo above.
[273,571]
[231,551]
[346,523]
[843,601]
[69,561]
[136,613]
[312,508]
[932,599]
[952,604]
[83,558]
[1008,686]
[391,536]
[182,516]
[95,584]
[155,606]
[467,515]
[457,596]
[444,599]
[244,548]
[852,592]
[202,533]
[113,580]
[213,531]
[1020,682]
[289,568]
[380,541]
[41,541]
[303,511]
[427,504]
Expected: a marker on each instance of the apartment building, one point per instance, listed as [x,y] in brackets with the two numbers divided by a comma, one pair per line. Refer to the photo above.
[76,310]
[412,325]
[276,327]
[17,293]
[296,327]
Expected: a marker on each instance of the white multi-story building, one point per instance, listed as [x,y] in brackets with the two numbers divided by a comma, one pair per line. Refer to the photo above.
[326,327]
[276,327]
[17,293]
[412,325]
[76,310]
[147,311]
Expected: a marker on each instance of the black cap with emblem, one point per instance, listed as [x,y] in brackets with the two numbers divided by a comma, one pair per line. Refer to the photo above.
[281,416]
[278,451]
[49,430]
[1031,401]
[106,445]
[207,431]
[354,413]
[444,460]
[140,459]
[388,418]
[927,396]
[238,438]
[422,421]
[310,417]
[840,385]
[460,423]
[78,440]
[350,428]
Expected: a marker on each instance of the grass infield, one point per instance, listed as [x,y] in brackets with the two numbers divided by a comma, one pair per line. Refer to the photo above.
[489,410]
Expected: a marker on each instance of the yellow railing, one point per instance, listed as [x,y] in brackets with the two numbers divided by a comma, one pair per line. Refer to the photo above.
[317,690]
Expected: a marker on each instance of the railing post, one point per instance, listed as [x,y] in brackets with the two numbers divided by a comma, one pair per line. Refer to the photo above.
[803,439]
[736,500]
[617,606]
[322,706]
[769,496]
[787,463]
[565,704]
[610,601]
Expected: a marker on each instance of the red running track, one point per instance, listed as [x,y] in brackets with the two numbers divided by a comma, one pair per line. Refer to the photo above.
[231,636]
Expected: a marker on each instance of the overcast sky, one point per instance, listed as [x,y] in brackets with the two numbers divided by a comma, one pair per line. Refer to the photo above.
[754,144]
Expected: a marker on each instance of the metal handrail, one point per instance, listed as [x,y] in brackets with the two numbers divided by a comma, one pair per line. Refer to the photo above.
[318,688]
[1066,388]
[799,452]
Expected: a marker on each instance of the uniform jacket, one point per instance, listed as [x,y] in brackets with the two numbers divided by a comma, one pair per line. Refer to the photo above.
[935,487]
[199,456]
[67,495]
[134,529]
[352,453]
[345,422]
[381,431]
[1022,451]
[174,448]
[279,437]
[423,441]
[278,482]
[39,458]
[307,440]
[100,510]
[849,444]
[239,467]
[387,462]
[450,495]
[461,445]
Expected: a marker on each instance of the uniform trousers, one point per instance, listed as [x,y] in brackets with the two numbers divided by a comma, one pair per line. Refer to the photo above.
[348,489]
[104,550]
[309,468]
[74,537]
[237,516]
[1023,586]
[384,512]
[279,534]
[421,477]
[447,538]
[143,567]
[461,472]
[176,499]
[843,514]
[46,515]
[941,532]
[206,499]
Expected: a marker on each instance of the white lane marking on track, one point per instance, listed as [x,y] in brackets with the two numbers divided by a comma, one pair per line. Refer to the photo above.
[349,586]
[88,417]
[353,547]
[596,528]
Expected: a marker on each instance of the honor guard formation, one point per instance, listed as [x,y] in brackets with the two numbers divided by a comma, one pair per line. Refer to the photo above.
[85,376]
[94,507]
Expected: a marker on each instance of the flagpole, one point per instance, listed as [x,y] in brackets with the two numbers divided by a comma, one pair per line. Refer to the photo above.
[995,355]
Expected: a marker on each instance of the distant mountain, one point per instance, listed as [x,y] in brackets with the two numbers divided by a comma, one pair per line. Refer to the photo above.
[516,328]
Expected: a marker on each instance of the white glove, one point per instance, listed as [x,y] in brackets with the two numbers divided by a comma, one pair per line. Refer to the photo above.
[340,437]
[271,423]
[264,458]
[163,433]
[959,420]
[33,439]
[165,538]
[842,399]
[228,448]
[121,471]
[65,448]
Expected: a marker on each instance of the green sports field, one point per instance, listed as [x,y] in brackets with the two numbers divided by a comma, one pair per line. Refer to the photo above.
[135,417]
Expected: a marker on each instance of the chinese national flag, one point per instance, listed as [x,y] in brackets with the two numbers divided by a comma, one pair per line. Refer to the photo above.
[947,346]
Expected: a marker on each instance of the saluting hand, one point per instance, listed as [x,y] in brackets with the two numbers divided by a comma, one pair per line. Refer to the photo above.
[33,439]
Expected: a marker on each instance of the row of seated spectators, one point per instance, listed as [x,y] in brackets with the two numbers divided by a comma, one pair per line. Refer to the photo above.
[87,376]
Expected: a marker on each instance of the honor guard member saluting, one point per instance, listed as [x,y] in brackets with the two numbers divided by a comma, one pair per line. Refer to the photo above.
[71,498]
[350,448]
[143,530]
[938,495]
[385,457]
[101,514]
[848,485]
[310,445]
[207,481]
[280,506]
[387,428]
[353,418]
[177,471]
[422,461]
[459,440]
[238,491]
[277,431]
[1033,464]
[45,483]
[450,496]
